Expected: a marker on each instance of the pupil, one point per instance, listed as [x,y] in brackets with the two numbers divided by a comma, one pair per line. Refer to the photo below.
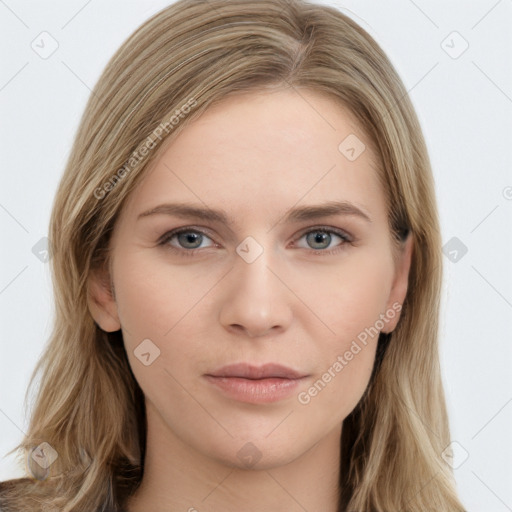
[190,238]
[194,239]
[320,238]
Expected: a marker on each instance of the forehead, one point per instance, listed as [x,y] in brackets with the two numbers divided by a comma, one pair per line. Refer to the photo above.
[264,152]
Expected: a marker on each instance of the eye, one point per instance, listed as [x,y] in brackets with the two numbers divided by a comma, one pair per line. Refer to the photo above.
[323,238]
[320,240]
[185,239]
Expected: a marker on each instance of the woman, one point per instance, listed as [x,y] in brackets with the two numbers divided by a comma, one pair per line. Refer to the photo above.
[247,271]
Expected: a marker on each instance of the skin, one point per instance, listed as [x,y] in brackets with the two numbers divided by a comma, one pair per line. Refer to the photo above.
[254,155]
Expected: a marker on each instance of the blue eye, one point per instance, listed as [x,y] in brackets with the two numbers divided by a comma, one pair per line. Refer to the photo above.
[320,240]
[187,238]
[190,239]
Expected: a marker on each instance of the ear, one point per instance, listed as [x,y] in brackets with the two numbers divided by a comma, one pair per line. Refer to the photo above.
[400,281]
[101,300]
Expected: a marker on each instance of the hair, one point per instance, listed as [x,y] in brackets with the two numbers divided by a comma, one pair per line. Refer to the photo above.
[89,407]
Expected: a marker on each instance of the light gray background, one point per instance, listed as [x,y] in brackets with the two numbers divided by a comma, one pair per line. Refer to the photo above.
[465,107]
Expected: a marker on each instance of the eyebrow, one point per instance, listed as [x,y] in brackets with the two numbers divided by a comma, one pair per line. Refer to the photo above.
[298,214]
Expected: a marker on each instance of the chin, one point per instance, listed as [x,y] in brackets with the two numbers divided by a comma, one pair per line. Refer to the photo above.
[258,453]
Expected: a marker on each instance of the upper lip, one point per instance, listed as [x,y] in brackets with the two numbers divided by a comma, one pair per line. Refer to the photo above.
[248,371]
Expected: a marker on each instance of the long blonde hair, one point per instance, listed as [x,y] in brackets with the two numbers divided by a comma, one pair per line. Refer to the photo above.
[89,407]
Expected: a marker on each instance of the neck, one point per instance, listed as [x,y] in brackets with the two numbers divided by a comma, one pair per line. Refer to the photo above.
[189,481]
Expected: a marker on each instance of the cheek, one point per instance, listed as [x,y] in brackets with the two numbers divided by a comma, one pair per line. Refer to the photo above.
[347,298]
[176,306]
[172,305]
[167,306]
[154,297]
[347,359]
[334,393]
[350,307]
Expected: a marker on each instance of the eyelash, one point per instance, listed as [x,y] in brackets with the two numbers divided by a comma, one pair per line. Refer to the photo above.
[193,252]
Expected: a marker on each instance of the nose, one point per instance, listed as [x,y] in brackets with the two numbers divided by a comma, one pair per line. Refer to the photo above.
[255,302]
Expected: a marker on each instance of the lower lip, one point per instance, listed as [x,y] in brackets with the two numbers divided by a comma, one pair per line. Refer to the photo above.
[256,391]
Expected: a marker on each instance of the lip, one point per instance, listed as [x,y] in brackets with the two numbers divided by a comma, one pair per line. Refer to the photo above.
[265,371]
[256,384]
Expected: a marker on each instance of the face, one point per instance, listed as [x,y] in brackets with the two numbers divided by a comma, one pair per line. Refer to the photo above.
[253,269]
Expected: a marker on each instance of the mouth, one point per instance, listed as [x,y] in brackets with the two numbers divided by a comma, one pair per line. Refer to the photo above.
[256,384]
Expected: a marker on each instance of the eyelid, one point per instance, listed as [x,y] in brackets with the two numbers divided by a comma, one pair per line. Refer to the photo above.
[329,229]
[185,229]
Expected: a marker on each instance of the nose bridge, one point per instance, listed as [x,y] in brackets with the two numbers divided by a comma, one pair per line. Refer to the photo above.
[255,277]
[257,301]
